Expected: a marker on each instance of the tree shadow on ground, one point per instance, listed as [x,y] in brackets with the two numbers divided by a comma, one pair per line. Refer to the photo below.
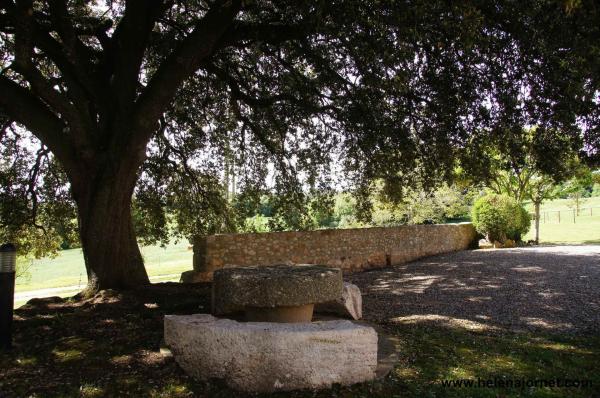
[110,345]
[434,353]
[105,346]
[549,289]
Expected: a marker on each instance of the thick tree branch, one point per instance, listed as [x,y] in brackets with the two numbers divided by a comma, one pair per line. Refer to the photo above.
[22,106]
[181,63]
[23,64]
[62,22]
[73,59]
[128,46]
[82,89]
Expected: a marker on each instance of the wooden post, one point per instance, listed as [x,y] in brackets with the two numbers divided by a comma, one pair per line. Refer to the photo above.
[559,216]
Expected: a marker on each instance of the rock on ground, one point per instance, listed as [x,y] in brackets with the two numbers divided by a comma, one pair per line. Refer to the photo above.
[349,305]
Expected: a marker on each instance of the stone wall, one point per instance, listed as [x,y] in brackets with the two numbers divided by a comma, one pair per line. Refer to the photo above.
[350,249]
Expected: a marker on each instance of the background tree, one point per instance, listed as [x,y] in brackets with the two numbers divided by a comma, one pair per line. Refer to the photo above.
[35,207]
[526,155]
[577,186]
[539,189]
[142,97]
[530,164]
[420,206]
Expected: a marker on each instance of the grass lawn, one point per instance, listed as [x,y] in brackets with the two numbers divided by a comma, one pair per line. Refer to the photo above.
[584,229]
[110,346]
[436,354]
[68,268]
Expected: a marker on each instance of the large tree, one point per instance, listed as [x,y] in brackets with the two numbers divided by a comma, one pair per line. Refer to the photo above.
[141,91]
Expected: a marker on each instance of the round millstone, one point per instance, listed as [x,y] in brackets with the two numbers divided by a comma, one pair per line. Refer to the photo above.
[267,287]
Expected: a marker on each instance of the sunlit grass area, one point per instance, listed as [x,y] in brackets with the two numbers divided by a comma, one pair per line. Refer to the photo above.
[581,229]
[68,268]
[566,204]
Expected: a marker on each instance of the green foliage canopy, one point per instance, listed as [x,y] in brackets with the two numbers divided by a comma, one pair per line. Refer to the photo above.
[391,91]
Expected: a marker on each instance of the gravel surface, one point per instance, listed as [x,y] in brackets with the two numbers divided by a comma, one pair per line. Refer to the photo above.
[554,289]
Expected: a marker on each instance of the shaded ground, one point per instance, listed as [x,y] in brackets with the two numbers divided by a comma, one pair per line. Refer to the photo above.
[68,291]
[110,345]
[551,289]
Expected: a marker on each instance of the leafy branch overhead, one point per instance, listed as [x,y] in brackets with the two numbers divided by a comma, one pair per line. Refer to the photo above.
[155,97]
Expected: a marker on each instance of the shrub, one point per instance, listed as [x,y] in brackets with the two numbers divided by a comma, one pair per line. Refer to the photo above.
[519,222]
[500,217]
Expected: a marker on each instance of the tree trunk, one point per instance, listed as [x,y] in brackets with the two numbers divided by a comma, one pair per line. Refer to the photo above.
[537,222]
[112,256]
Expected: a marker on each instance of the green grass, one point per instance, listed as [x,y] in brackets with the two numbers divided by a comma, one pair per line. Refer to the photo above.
[431,355]
[566,204]
[428,355]
[585,229]
[68,268]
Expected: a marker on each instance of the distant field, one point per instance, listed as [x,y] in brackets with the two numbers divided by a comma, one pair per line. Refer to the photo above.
[68,268]
[585,228]
[566,204]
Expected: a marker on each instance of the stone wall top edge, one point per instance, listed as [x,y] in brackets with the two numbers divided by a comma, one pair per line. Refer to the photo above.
[335,230]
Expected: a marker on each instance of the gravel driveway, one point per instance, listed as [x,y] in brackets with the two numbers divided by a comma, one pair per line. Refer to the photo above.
[552,289]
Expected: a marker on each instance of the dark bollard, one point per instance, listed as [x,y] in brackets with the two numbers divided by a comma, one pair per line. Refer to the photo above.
[8,260]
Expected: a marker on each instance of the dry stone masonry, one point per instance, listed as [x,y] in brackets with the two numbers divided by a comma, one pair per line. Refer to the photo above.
[348,249]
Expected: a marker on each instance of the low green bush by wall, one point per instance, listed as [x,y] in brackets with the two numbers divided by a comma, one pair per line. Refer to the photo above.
[500,217]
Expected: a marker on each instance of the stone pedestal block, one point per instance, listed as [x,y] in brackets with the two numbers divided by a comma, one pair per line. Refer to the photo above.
[266,357]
